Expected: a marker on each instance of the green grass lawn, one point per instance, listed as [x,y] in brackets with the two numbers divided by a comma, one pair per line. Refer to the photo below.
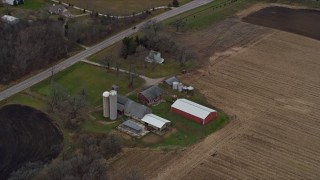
[35,4]
[120,7]
[204,16]
[94,126]
[136,61]
[94,79]
[26,100]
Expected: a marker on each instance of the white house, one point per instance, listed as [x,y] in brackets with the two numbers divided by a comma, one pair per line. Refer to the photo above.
[13,2]
[154,56]
[9,19]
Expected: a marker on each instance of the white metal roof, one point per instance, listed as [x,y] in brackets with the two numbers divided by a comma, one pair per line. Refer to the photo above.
[155,120]
[192,108]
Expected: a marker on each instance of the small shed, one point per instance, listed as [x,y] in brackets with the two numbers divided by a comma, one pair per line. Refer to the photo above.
[193,111]
[132,126]
[155,121]
[9,19]
[170,80]
[155,57]
[150,95]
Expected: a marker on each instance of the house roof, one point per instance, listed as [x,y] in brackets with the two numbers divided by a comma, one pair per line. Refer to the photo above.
[170,80]
[135,109]
[155,120]
[132,125]
[152,92]
[192,108]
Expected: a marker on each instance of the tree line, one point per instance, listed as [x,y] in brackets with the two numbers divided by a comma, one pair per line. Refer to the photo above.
[28,46]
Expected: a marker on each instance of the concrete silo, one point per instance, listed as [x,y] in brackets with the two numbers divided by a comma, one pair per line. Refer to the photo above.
[106,106]
[113,105]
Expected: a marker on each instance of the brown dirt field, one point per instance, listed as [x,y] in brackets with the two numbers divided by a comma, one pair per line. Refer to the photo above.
[272,87]
[269,81]
[146,162]
[26,135]
[151,138]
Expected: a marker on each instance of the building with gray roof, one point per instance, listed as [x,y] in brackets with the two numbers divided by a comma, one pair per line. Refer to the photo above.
[150,95]
[170,80]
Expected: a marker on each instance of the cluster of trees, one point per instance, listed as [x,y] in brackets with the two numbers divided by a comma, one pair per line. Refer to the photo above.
[26,47]
[90,160]
[70,106]
[155,38]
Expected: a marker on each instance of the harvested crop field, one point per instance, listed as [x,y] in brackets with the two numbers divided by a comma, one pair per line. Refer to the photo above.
[145,162]
[272,88]
[299,21]
[26,135]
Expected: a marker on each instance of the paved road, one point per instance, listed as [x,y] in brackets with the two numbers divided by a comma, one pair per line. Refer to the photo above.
[84,54]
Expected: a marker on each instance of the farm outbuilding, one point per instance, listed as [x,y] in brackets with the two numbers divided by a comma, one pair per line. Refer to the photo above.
[170,80]
[193,111]
[155,122]
[151,95]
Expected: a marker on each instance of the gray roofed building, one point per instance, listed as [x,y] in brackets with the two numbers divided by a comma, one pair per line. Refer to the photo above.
[170,80]
[130,108]
[133,126]
[136,110]
[151,95]
[122,99]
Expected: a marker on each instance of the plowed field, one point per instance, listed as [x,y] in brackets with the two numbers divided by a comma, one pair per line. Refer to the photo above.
[273,88]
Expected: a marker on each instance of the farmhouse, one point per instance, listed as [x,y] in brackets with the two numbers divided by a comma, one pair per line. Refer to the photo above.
[9,19]
[155,57]
[151,95]
[155,122]
[193,111]
[13,2]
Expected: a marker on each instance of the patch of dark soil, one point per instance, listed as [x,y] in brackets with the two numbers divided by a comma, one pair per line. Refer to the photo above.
[26,135]
[300,21]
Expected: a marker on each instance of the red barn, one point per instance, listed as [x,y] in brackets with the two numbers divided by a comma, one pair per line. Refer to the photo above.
[193,111]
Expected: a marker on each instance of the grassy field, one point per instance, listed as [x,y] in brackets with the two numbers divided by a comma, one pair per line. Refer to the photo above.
[94,79]
[120,7]
[24,99]
[204,16]
[215,11]
[35,4]
[137,62]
